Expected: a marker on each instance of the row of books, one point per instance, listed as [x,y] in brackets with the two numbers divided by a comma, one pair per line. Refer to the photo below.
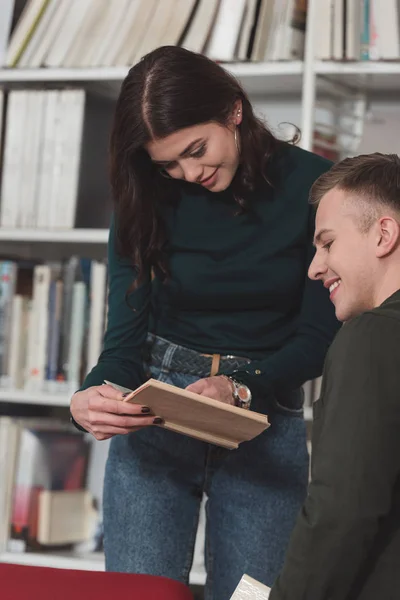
[52,321]
[44,502]
[54,159]
[95,33]
[357,30]
[325,143]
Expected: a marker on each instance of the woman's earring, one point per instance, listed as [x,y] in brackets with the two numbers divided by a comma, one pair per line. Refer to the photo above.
[237,140]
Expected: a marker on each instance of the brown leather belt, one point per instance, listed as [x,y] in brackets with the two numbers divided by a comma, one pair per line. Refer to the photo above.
[216,359]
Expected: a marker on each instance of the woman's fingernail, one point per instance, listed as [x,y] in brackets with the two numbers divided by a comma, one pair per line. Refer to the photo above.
[158,421]
[146,409]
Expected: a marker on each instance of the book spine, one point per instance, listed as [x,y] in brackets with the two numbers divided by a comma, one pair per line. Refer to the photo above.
[74,360]
[8,276]
[97,300]
[38,327]
[70,269]
[373,51]
[55,304]
[365,20]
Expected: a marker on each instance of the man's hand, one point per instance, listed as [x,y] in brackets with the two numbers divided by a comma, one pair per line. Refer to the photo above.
[218,387]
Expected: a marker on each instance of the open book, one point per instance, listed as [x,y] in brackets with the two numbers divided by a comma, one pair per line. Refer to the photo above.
[197,416]
[250,589]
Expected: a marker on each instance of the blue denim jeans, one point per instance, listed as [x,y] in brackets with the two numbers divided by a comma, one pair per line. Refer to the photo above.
[154,483]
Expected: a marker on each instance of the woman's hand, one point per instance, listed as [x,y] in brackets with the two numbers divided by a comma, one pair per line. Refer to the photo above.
[100,410]
[218,387]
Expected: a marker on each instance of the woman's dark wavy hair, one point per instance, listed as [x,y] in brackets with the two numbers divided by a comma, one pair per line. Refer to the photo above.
[170,89]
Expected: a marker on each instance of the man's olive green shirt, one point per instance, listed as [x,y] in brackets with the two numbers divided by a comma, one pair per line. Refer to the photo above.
[346,543]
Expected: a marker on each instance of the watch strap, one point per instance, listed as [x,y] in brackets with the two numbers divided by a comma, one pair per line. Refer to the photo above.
[76,424]
[236,385]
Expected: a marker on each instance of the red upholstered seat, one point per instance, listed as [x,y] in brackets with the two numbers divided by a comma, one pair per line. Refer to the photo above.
[20,582]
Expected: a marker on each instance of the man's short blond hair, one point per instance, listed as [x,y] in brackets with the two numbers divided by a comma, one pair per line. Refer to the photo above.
[372,182]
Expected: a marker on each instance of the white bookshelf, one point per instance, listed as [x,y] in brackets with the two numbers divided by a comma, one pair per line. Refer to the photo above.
[265,79]
[15,396]
[67,75]
[302,81]
[377,78]
[271,78]
[366,67]
[56,236]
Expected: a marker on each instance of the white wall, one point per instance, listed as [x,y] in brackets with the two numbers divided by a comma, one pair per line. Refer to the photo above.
[278,111]
[382,129]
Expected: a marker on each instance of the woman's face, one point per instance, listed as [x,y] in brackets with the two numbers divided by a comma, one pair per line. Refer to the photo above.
[205,154]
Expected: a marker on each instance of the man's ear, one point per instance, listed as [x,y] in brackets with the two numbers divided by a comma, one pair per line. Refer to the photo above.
[388,236]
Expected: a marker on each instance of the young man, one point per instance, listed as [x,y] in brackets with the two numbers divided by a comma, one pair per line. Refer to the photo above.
[346,543]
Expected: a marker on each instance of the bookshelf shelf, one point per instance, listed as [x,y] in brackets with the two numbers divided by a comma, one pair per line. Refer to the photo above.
[81,236]
[375,77]
[38,398]
[62,75]
[269,78]
[358,67]
[105,81]
[90,562]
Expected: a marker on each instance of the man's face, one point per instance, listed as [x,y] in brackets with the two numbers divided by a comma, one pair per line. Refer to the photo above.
[345,260]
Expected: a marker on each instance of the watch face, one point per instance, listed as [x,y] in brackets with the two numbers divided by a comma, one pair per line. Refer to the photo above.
[244,393]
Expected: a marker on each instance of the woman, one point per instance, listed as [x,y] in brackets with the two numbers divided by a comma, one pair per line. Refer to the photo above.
[208,255]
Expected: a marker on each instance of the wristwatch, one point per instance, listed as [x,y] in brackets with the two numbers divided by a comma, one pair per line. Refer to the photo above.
[241,393]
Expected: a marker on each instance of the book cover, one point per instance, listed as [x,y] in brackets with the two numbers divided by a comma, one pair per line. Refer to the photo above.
[194,415]
[250,588]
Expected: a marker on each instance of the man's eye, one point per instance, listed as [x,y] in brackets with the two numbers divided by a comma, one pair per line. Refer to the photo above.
[327,245]
[199,153]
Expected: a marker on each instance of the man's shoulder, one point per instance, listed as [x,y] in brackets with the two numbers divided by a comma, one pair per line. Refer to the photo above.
[372,327]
